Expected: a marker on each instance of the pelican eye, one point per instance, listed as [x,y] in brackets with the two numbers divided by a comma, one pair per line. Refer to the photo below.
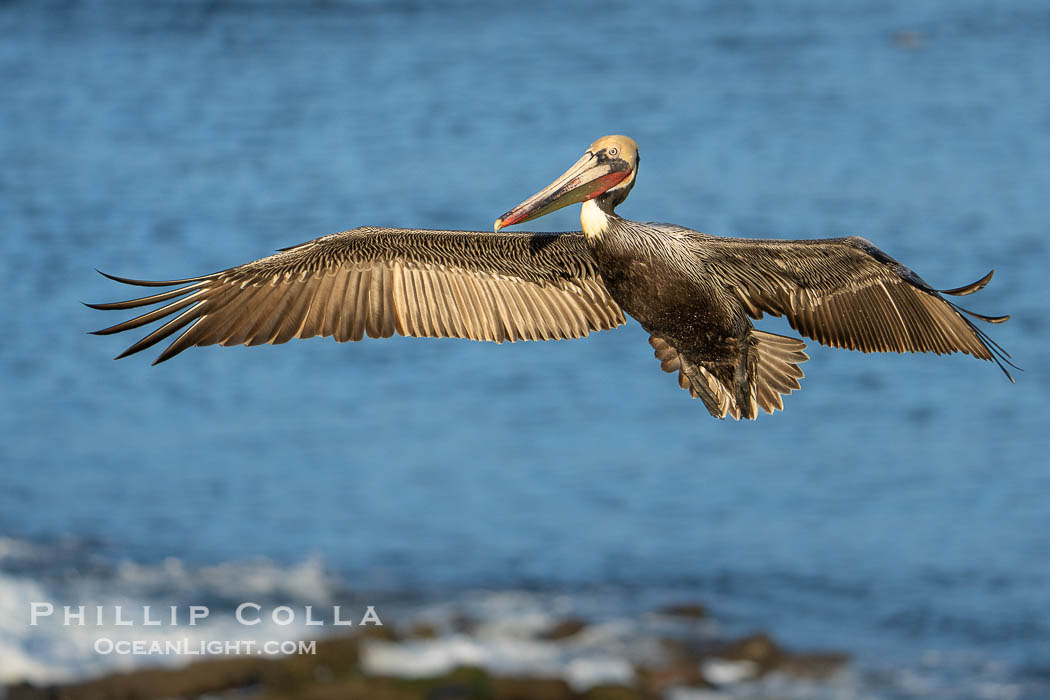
[614,151]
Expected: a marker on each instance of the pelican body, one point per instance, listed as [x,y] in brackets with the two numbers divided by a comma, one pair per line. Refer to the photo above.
[695,294]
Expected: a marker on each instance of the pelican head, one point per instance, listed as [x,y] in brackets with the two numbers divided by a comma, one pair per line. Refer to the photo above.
[601,179]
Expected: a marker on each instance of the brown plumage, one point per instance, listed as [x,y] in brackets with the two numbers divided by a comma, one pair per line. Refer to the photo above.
[843,292]
[695,294]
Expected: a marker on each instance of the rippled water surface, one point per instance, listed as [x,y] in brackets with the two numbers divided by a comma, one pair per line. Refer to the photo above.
[896,510]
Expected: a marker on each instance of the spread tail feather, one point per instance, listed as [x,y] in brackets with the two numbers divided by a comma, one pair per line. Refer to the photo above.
[772,369]
[778,372]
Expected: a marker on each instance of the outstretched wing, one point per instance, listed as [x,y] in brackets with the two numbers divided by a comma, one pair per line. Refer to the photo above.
[846,293]
[377,282]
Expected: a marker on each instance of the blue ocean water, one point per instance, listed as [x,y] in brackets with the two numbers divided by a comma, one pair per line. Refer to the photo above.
[897,509]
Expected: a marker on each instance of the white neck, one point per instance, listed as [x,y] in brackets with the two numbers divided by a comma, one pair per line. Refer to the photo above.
[594,220]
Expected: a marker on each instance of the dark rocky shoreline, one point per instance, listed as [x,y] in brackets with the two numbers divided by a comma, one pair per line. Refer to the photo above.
[336,671]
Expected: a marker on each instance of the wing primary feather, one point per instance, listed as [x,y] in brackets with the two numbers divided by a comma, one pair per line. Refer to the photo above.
[969,288]
[163,332]
[296,312]
[157,283]
[144,301]
[180,343]
[999,356]
[269,314]
[239,319]
[982,317]
[151,316]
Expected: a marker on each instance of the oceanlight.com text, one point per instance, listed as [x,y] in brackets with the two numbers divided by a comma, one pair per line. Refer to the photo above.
[203,647]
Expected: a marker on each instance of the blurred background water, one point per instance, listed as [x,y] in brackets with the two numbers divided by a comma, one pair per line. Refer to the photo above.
[897,509]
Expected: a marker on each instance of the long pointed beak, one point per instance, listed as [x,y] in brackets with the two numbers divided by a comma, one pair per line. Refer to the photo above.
[586,179]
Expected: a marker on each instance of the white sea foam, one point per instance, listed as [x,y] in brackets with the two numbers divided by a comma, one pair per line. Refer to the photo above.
[236,580]
[11,548]
[507,639]
[683,693]
[17,641]
[726,671]
[510,656]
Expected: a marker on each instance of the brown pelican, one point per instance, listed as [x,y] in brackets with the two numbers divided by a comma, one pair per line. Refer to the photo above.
[695,294]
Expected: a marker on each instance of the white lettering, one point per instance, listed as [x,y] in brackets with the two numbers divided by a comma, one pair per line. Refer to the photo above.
[37,610]
[240,613]
[198,612]
[338,620]
[283,615]
[118,619]
[69,616]
[146,618]
[309,617]
[371,617]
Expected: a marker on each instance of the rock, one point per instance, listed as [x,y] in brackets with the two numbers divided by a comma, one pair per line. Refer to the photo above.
[758,648]
[690,611]
[564,629]
[334,657]
[423,630]
[26,691]
[613,692]
[531,689]
[465,683]
[202,678]
[767,655]
[682,668]
[678,672]
[459,684]
[813,665]
[463,623]
[384,633]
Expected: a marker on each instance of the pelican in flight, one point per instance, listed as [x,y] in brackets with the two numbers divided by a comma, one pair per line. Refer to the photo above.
[695,294]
